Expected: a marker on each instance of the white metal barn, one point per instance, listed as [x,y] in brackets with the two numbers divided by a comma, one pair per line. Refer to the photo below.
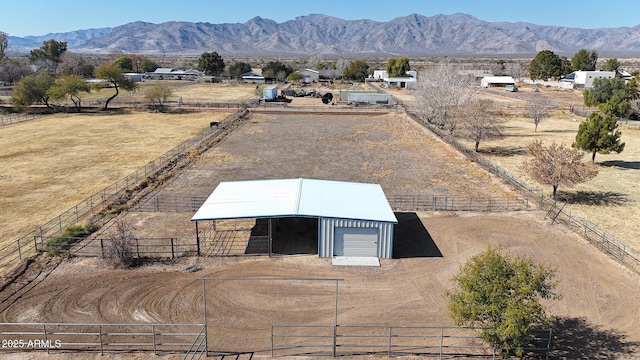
[354,219]
[501,81]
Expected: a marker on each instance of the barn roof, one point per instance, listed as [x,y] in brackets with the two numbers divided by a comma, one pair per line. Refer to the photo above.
[498,79]
[296,197]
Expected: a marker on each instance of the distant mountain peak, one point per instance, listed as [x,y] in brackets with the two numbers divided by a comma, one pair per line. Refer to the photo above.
[411,35]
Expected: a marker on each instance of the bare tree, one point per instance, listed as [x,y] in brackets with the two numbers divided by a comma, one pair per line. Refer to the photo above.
[537,111]
[478,123]
[557,165]
[515,69]
[441,91]
[158,96]
[119,248]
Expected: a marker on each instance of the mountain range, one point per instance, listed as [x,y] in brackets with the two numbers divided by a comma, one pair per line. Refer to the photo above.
[413,35]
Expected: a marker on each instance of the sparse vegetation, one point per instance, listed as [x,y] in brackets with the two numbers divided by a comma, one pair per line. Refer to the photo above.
[72,234]
[119,248]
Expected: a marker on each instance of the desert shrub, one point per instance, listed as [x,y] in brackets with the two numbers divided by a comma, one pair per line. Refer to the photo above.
[119,248]
[74,233]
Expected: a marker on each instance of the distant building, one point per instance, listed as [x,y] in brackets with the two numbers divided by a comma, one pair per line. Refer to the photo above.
[253,78]
[496,81]
[405,82]
[379,75]
[135,77]
[309,75]
[584,79]
[173,74]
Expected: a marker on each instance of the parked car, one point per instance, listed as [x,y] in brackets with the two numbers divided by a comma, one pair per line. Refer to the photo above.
[511,88]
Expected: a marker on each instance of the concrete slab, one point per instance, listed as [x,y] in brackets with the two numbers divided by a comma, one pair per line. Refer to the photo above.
[355,261]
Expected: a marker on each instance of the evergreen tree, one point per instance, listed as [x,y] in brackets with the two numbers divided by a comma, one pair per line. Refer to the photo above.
[546,64]
[599,134]
[211,63]
[584,60]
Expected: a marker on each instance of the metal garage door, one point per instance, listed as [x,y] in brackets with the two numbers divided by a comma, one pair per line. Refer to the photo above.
[356,242]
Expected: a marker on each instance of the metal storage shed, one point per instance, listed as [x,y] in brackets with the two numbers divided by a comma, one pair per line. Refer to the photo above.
[354,219]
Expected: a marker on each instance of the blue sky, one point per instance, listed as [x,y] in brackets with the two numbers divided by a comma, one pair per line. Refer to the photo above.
[40,17]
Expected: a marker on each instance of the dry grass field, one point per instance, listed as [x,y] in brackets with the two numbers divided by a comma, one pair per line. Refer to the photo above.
[49,165]
[217,91]
[611,200]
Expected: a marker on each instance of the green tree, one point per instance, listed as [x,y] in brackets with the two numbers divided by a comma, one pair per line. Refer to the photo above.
[211,63]
[238,68]
[557,165]
[502,294]
[71,86]
[276,70]
[51,50]
[4,43]
[125,63]
[32,89]
[546,64]
[599,134]
[603,89]
[584,60]
[358,70]
[112,73]
[158,95]
[611,65]
[148,65]
[398,67]
[565,66]
[618,105]
[295,76]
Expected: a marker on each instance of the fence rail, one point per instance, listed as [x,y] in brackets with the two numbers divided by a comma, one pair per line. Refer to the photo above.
[163,248]
[604,241]
[345,340]
[27,244]
[99,338]
[17,118]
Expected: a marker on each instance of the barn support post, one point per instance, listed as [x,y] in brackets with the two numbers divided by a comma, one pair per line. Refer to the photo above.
[197,240]
[269,236]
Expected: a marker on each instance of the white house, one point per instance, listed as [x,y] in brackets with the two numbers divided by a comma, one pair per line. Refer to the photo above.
[584,79]
[378,75]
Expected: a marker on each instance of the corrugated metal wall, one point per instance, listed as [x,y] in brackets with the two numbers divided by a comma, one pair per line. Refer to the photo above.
[326,232]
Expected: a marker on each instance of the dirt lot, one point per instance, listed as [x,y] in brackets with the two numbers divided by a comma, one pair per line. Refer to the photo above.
[594,314]
[596,317]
